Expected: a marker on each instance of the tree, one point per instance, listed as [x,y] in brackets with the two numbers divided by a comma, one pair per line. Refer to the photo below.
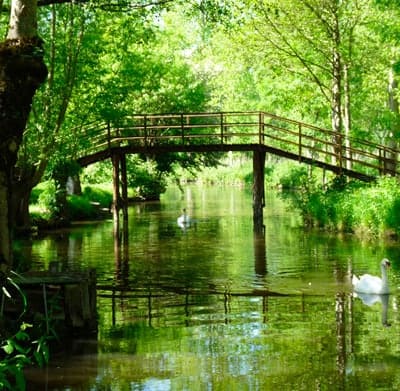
[45,138]
[313,40]
[22,71]
[150,74]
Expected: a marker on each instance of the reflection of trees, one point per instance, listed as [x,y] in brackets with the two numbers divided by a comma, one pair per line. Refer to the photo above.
[340,309]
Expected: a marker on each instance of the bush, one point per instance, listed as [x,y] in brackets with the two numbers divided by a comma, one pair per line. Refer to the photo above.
[91,203]
[47,197]
[101,194]
[80,208]
[147,186]
[294,178]
[353,206]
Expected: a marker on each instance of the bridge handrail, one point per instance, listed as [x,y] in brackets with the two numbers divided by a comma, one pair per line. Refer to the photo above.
[241,128]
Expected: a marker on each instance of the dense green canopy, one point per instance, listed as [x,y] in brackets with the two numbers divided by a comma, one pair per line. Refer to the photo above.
[331,64]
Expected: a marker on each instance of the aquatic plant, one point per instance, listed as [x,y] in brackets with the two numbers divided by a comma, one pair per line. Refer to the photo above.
[18,347]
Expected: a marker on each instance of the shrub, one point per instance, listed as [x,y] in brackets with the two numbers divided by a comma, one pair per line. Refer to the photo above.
[101,194]
[81,208]
[295,177]
[353,206]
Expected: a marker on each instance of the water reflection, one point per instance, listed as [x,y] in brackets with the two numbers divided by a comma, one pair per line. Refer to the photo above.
[224,306]
[260,252]
[371,299]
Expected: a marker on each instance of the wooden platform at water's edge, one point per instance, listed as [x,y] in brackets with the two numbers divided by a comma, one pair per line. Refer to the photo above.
[65,299]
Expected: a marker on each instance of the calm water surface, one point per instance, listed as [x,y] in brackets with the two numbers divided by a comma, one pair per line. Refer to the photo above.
[217,307]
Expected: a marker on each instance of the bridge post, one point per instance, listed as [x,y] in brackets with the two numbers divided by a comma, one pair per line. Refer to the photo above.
[258,188]
[120,194]
[124,189]
[116,195]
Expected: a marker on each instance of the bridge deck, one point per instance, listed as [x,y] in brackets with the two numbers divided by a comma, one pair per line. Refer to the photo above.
[238,131]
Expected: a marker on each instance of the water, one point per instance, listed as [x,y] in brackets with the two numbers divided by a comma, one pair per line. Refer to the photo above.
[217,307]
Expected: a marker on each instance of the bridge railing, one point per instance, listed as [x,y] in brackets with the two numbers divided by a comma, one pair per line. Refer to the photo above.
[185,129]
[278,134]
[324,145]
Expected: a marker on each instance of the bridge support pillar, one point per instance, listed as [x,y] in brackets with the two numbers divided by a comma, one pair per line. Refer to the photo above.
[258,189]
[124,188]
[119,202]
[116,195]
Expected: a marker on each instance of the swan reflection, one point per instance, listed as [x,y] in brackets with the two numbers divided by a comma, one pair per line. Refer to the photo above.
[184,221]
[371,299]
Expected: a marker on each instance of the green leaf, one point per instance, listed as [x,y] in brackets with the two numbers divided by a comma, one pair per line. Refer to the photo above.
[16,286]
[5,291]
[25,326]
[22,336]
[19,348]
[5,384]
[9,348]
[39,358]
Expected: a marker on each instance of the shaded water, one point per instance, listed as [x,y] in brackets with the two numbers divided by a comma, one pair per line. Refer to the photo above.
[216,307]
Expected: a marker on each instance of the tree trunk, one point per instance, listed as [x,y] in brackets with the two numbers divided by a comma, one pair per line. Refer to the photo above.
[22,71]
[23,182]
[391,159]
[5,239]
[347,116]
[23,20]
[20,207]
[336,103]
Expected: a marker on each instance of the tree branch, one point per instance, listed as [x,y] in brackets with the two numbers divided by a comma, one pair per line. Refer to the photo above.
[110,4]
[289,49]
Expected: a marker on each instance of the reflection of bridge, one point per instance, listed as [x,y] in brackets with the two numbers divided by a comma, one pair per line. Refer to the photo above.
[258,132]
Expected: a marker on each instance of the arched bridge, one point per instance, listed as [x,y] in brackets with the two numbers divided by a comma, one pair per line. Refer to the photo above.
[238,131]
[259,132]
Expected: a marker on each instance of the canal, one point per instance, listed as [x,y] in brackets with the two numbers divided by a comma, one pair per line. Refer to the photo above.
[215,306]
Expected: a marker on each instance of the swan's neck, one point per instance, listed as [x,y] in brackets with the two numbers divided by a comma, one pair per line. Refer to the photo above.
[384,277]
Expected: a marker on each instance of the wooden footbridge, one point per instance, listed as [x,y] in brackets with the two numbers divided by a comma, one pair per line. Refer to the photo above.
[259,132]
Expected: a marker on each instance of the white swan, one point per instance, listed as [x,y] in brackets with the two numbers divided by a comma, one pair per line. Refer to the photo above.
[372,284]
[183,220]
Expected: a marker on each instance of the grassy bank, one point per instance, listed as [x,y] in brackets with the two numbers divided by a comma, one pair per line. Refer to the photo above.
[94,201]
[363,209]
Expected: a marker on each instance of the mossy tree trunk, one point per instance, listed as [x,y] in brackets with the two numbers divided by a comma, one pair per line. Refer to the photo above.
[22,71]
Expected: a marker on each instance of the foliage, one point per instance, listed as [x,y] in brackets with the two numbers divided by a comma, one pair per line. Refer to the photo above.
[294,178]
[146,177]
[46,198]
[101,195]
[210,55]
[20,351]
[276,60]
[234,169]
[100,172]
[26,346]
[147,181]
[352,207]
[91,204]
[80,208]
